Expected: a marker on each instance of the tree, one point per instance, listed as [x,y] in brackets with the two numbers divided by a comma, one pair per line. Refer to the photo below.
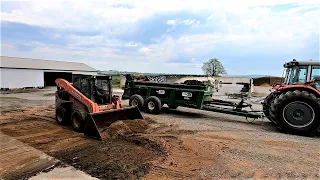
[213,68]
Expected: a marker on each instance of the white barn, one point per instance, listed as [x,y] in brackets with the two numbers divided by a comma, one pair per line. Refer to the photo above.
[18,72]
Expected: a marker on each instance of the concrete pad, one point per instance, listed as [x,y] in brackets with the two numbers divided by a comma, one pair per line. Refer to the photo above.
[21,160]
[17,158]
[64,173]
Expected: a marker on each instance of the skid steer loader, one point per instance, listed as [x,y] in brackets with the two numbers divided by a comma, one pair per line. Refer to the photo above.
[88,104]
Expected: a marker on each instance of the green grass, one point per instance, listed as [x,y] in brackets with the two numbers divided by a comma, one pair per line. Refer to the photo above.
[115,81]
[9,98]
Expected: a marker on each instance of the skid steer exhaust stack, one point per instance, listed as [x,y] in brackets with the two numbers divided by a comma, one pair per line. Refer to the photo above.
[96,123]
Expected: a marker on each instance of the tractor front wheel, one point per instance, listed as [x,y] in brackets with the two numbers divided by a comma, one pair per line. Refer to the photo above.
[297,112]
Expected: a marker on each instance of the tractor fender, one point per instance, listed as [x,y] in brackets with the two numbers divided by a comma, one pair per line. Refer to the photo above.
[301,87]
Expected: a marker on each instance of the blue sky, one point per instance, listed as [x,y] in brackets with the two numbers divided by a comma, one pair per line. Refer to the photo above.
[248,37]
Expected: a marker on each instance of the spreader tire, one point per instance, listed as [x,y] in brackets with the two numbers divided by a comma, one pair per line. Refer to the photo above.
[136,100]
[153,105]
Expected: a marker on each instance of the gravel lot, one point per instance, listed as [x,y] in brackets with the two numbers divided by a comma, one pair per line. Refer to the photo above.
[198,144]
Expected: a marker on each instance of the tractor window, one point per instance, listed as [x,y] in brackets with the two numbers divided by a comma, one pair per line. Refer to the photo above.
[302,74]
[291,75]
[315,74]
[287,76]
[298,75]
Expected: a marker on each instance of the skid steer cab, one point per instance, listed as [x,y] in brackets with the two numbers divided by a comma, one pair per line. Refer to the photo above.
[88,105]
[294,104]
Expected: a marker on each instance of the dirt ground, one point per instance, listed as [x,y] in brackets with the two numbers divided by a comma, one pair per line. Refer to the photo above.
[176,144]
[107,159]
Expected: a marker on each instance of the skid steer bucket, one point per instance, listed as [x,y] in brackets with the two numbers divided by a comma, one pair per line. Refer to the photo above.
[95,123]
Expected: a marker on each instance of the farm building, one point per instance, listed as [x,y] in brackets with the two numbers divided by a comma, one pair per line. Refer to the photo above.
[267,80]
[18,72]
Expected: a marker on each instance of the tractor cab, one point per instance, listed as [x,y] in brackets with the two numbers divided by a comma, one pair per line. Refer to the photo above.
[302,72]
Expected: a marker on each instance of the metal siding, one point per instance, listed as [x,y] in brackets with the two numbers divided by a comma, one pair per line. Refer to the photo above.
[20,78]
[83,72]
[73,72]
[40,64]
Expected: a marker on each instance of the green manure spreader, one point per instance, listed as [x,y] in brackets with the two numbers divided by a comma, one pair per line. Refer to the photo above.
[151,96]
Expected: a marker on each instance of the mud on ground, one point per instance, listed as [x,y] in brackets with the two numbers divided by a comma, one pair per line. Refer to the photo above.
[112,158]
[155,149]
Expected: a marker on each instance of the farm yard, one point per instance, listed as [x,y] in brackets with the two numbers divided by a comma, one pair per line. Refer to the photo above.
[168,90]
[183,143]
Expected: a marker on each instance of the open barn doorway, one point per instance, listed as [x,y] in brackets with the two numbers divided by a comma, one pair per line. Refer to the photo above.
[50,77]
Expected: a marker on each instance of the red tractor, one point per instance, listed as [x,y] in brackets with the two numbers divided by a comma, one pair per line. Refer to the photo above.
[294,105]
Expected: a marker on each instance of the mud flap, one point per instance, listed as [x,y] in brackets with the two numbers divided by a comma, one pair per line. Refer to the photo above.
[95,123]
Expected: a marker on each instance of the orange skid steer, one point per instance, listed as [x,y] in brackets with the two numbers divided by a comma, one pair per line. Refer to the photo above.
[88,104]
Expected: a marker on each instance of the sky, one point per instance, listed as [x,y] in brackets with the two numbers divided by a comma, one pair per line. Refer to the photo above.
[164,36]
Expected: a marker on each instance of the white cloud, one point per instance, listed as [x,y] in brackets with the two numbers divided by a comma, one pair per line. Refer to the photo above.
[74,13]
[186,22]
[252,25]
[132,44]
[190,21]
[172,22]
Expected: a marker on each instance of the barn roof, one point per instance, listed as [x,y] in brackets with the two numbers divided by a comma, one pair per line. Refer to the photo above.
[27,63]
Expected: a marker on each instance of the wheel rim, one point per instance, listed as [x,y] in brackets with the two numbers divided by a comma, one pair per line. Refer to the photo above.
[298,114]
[151,105]
[76,122]
[59,116]
[134,102]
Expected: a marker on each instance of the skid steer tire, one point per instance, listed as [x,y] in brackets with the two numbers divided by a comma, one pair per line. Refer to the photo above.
[137,100]
[266,106]
[172,106]
[153,105]
[61,115]
[78,120]
[297,112]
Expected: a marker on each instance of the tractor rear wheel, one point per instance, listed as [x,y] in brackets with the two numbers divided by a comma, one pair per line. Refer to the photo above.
[266,105]
[297,112]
